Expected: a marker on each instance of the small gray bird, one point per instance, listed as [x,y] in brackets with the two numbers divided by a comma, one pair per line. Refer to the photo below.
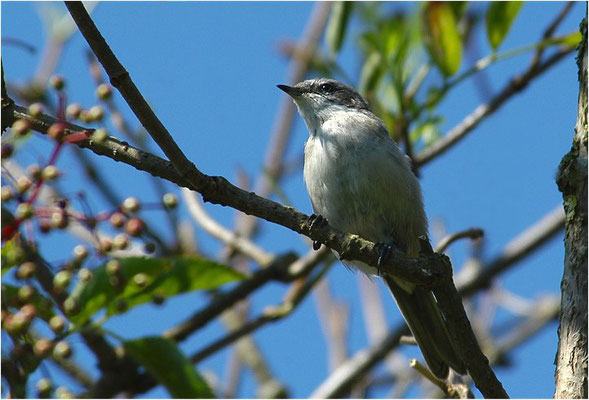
[361,182]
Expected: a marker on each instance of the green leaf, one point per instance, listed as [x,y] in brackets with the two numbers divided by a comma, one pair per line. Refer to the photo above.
[371,73]
[164,360]
[499,18]
[337,26]
[163,277]
[441,36]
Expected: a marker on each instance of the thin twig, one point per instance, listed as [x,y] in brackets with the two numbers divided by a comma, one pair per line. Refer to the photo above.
[472,233]
[514,86]
[231,239]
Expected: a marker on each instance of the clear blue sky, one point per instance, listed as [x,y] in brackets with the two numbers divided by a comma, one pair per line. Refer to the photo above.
[210,69]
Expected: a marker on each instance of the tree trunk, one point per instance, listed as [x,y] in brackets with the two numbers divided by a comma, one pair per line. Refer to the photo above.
[571,358]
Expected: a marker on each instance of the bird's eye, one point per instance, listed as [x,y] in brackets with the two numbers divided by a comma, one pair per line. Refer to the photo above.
[326,88]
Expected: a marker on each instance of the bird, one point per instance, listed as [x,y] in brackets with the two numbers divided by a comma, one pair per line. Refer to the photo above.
[360,182]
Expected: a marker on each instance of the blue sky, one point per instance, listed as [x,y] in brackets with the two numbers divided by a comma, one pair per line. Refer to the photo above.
[209,70]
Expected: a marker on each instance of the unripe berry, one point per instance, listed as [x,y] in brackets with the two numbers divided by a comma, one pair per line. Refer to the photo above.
[71,306]
[57,324]
[26,270]
[131,204]
[170,200]
[121,241]
[117,219]
[134,227]
[42,347]
[73,110]
[100,135]
[44,387]
[21,127]
[85,274]
[57,82]
[96,113]
[113,267]
[80,253]
[7,194]
[29,311]
[62,279]
[105,245]
[36,109]
[23,184]
[26,292]
[62,350]
[24,211]
[63,393]
[140,279]
[34,171]
[59,220]
[57,131]
[104,91]
[50,172]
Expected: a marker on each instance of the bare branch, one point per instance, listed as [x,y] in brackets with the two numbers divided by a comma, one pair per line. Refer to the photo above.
[216,230]
[514,86]
[472,233]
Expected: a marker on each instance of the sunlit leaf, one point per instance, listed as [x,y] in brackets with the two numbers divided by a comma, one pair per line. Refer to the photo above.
[499,18]
[371,73]
[337,26]
[164,360]
[141,278]
[441,36]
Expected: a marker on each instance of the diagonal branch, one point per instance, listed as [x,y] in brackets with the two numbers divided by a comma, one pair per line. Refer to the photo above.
[514,86]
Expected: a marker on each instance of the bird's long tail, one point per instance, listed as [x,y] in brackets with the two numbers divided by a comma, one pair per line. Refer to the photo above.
[428,326]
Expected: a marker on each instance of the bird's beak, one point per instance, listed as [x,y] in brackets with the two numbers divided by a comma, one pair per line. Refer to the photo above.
[291,91]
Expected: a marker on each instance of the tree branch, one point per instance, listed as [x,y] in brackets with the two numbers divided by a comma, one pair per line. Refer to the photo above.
[515,85]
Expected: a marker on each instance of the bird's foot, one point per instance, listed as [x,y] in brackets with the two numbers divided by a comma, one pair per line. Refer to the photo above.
[316,221]
[385,250]
[425,245]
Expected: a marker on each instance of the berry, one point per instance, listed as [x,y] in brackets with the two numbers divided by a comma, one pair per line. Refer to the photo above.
[73,110]
[134,226]
[50,172]
[104,91]
[170,200]
[121,241]
[100,135]
[26,292]
[57,82]
[131,204]
[42,347]
[62,279]
[24,211]
[117,219]
[57,324]
[113,267]
[57,131]
[36,109]
[7,194]
[80,253]
[26,270]
[21,127]
[62,350]
[96,113]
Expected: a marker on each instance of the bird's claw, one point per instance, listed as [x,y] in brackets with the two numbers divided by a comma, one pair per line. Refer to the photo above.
[316,221]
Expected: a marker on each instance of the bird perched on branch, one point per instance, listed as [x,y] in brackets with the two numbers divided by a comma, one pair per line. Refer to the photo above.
[361,182]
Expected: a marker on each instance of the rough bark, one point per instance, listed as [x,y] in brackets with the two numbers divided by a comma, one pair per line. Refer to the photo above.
[571,358]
